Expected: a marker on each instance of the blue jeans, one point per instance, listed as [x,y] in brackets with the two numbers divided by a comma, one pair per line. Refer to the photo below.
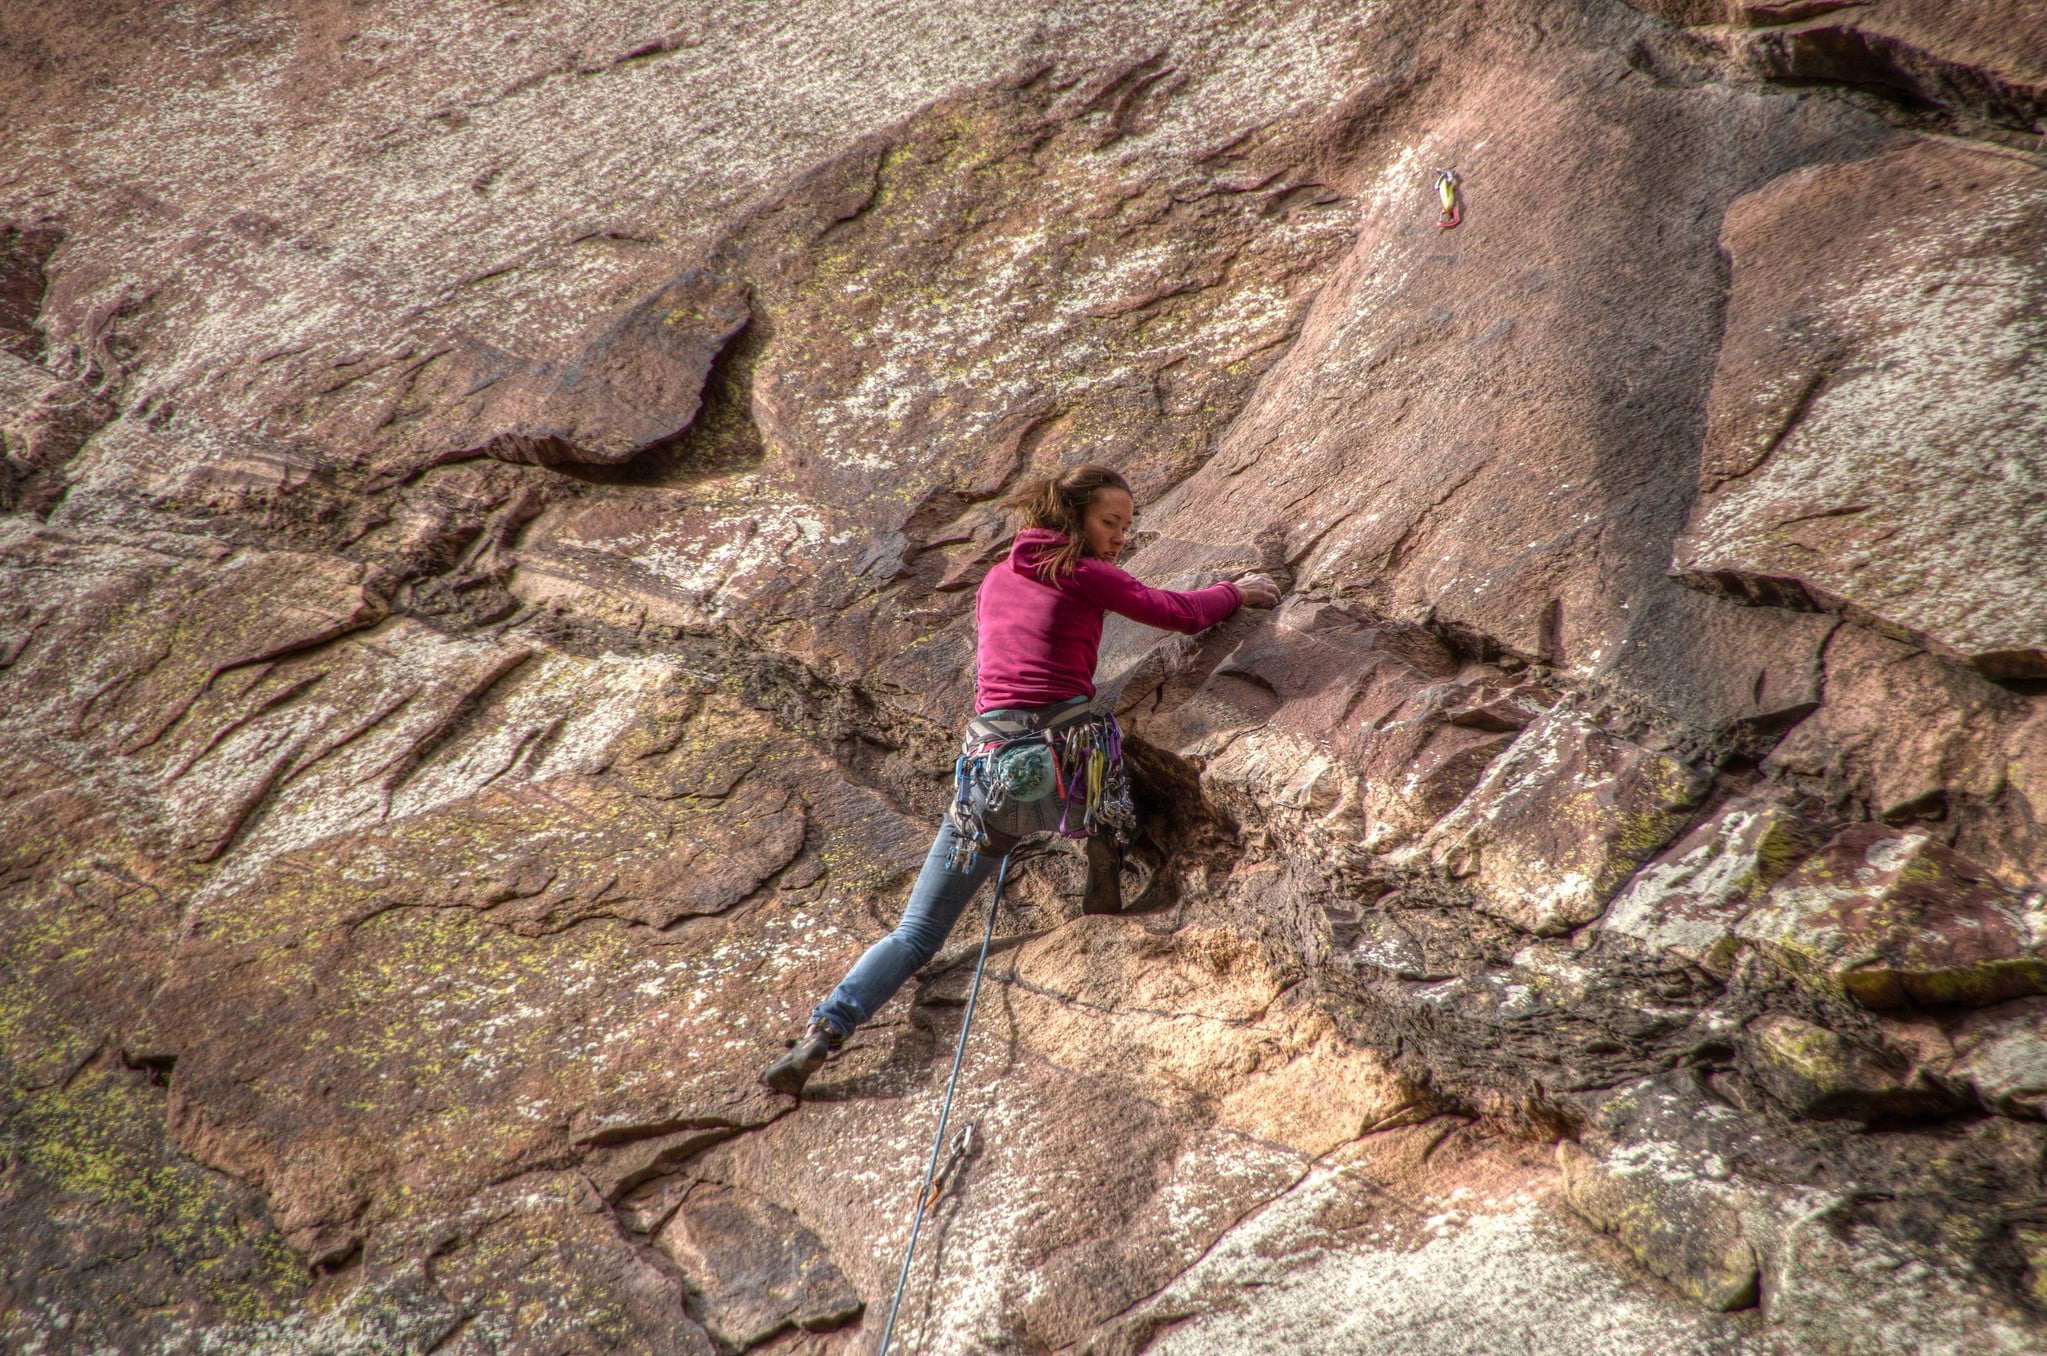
[936,900]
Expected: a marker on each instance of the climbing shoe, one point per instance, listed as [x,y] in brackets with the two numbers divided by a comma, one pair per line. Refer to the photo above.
[790,1072]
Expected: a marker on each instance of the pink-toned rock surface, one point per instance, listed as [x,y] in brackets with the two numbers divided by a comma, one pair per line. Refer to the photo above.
[1890,917]
[1869,435]
[1982,65]
[491,506]
[1688,900]
[1560,820]
[2001,1056]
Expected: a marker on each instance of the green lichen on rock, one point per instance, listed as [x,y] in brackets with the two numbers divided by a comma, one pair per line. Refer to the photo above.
[108,1223]
[1678,1222]
[1817,1072]
[1886,917]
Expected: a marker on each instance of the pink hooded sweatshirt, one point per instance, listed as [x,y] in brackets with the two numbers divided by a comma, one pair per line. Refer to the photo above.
[1039,640]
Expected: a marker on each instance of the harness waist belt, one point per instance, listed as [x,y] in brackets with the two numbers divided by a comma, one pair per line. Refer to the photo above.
[995,727]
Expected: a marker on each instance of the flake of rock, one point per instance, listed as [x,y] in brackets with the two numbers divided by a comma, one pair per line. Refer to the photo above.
[1888,916]
[1561,819]
[1687,901]
[43,423]
[1903,732]
[1357,728]
[1688,1183]
[754,1269]
[1817,1072]
[637,382]
[540,1265]
[1862,427]
[1980,66]
[1674,1220]
[2002,1056]
[1986,68]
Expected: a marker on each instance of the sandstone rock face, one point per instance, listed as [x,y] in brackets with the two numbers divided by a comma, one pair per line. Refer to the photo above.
[761,1271]
[1687,902]
[2003,1059]
[1816,1072]
[1561,820]
[1865,440]
[43,423]
[1889,917]
[1680,1232]
[1983,66]
[491,499]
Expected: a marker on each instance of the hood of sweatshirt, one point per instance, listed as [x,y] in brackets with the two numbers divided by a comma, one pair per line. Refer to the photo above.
[1032,545]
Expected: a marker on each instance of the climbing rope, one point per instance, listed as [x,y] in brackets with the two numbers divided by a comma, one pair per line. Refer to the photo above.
[925,1194]
[1447,181]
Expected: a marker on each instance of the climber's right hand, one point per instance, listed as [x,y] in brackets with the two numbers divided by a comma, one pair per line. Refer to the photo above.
[1258,590]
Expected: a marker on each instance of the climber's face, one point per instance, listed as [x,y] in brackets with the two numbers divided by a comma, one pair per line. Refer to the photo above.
[1106,524]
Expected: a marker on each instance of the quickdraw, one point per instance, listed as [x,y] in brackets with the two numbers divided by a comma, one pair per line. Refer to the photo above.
[1091,758]
[1447,181]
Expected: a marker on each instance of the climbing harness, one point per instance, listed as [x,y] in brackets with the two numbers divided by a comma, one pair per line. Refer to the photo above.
[1447,181]
[1013,760]
[968,1144]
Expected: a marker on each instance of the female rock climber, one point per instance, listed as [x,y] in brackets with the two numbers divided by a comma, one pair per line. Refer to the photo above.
[1037,757]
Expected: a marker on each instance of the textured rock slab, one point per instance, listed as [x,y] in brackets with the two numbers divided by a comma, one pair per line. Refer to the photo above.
[1136,1094]
[541,1265]
[1889,917]
[1207,1017]
[1418,448]
[755,1269]
[130,637]
[639,381]
[1842,1291]
[1676,1222]
[501,230]
[1561,819]
[1688,900]
[1983,63]
[1865,431]
[1656,1167]
[110,1237]
[2002,1056]
[1829,1265]
[1411,1241]
[1903,733]
[1354,729]
[1817,1072]
[1988,64]
[1901,730]
[43,423]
